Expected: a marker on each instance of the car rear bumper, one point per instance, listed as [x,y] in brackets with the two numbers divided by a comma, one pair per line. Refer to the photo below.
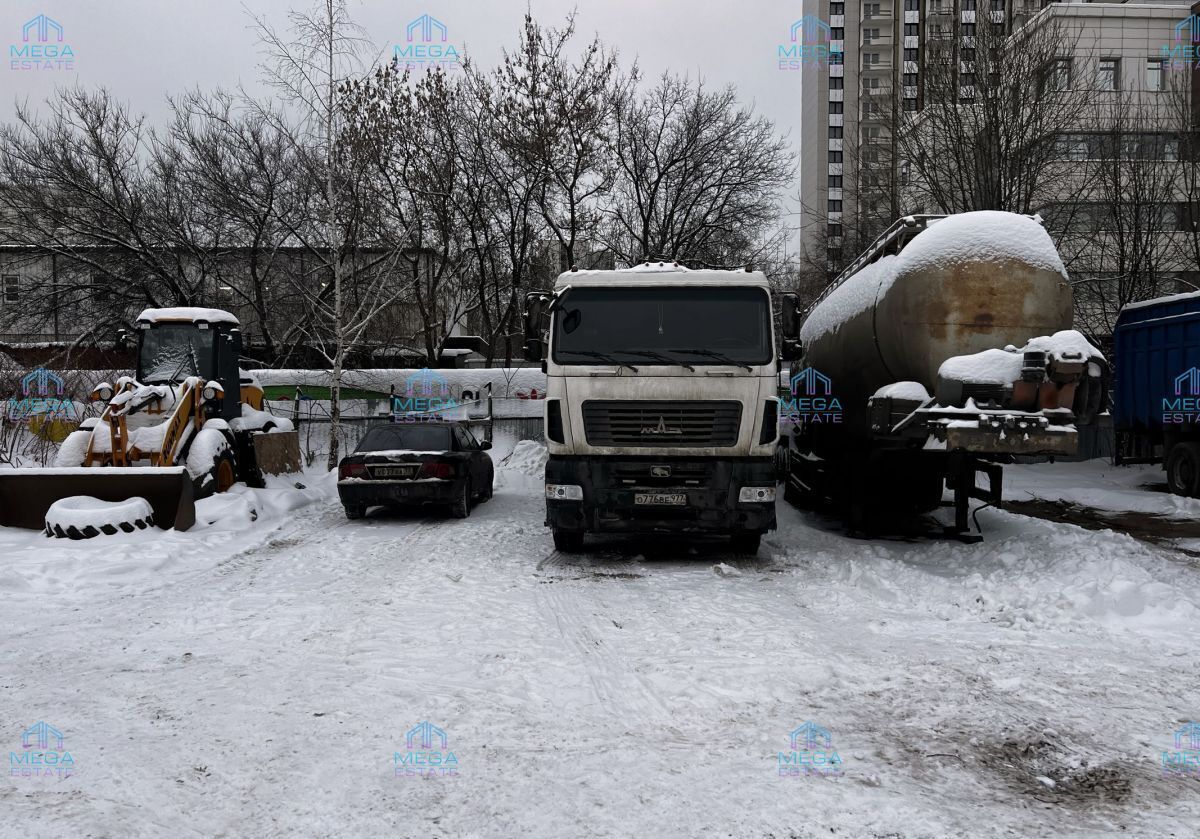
[398,492]
[610,486]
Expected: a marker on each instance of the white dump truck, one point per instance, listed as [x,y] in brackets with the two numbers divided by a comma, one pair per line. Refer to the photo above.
[661,412]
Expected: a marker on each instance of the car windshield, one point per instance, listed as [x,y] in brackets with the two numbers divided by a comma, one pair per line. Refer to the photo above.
[659,326]
[171,352]
[420,438]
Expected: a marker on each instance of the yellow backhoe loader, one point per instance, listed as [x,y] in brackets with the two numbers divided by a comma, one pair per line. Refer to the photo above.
[188,423]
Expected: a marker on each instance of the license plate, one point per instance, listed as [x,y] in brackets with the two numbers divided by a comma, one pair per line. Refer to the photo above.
[393,471]
[673,498]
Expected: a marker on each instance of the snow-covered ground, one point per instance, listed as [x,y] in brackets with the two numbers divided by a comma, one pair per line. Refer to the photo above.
[259,678]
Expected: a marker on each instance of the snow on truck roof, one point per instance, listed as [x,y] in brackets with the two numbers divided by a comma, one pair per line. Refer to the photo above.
[187,314]
[662,274]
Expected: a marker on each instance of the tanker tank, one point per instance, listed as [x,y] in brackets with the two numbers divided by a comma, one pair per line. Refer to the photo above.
[941,353]
[963,284]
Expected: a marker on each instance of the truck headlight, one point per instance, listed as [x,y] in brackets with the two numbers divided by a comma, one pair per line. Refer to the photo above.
[763,494]
[564,492]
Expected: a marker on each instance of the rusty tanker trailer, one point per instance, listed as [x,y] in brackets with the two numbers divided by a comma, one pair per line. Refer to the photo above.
[941,353]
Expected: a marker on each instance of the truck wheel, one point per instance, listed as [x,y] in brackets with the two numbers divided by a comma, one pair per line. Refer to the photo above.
[355,511]
[84,517]
[1183,468]
[746,544]
[461,506]
[568,542]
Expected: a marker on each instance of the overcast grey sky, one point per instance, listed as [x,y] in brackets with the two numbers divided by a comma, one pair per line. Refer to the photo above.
[143,50]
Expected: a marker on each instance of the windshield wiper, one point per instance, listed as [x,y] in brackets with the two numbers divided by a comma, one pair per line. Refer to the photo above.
[712,354]
[605,357]
[660,357]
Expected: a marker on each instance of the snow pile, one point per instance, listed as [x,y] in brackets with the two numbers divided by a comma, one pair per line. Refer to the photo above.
[528,457]
[187,313]
[856,295]
[226,525]
[255,420]
[1004,366]
[982,236]
[912,391]
[81,511]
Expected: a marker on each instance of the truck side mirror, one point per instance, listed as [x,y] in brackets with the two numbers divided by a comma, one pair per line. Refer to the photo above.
[533,349]
[789,316]
[536,303]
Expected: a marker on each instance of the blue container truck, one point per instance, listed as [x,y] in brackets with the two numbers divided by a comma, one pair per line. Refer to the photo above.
[1156,410]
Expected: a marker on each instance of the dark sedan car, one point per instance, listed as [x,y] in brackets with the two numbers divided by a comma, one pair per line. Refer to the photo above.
[400,465]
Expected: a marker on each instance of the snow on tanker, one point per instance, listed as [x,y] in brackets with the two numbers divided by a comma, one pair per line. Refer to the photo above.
[942,352]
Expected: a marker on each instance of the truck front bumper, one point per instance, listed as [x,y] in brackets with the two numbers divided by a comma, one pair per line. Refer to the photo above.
[611,487]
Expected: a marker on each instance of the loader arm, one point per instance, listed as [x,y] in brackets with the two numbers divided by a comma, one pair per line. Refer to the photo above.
[187,412]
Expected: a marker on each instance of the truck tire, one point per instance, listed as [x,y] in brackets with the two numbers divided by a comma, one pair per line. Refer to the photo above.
[1183,468]
[745,544]
[567,541]
[83,517]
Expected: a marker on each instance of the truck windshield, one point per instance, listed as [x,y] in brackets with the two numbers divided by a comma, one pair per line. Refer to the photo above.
[681,325]
[171,352]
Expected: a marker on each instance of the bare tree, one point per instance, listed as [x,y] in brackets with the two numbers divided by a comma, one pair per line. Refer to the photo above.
[698,176]
[994,104]
[311,68]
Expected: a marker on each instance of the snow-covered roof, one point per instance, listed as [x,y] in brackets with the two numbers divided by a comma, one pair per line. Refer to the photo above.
[662,274]
[187,313]
[979,236]
[1170,298]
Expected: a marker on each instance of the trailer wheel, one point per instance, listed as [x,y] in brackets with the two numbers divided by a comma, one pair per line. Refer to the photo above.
[1183,468]
[567,541]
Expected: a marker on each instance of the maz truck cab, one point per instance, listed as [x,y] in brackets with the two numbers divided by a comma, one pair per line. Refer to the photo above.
[661,412]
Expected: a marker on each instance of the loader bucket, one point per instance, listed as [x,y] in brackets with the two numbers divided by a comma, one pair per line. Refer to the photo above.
[26,494]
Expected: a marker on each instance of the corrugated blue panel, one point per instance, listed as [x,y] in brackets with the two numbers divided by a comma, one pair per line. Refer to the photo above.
[1153,345]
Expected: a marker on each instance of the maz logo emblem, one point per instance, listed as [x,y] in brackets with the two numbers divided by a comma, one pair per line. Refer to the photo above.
[660,471]
[661,429]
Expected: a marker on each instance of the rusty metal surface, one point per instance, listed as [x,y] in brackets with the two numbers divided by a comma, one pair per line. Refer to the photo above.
[925,317]
[989,441]
[26,494]
[278,452]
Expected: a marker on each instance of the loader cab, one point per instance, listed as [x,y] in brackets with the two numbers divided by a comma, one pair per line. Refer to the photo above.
[174,344]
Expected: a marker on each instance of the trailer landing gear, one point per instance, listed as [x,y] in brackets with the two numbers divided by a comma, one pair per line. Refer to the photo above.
[961,478]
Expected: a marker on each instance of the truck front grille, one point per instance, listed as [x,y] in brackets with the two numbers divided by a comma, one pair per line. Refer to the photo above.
[661,423]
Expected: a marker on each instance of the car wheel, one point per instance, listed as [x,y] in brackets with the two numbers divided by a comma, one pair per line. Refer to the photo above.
[461,508]
[745,544]
[1183,468]
[568,542]
[355,511]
